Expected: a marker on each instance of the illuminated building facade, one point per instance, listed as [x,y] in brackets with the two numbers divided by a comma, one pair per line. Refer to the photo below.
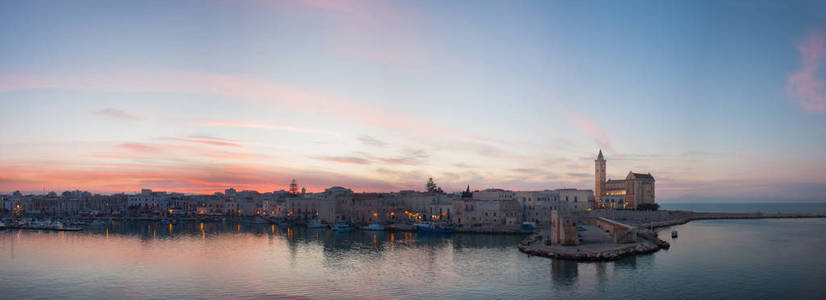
[635,189]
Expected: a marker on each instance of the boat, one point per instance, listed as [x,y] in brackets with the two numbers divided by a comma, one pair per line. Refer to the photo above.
[315,224]
[374,227]
[97,223]
[35,224]
[528,225]
[57,225]
[428,227]
[674,234]
[342,226]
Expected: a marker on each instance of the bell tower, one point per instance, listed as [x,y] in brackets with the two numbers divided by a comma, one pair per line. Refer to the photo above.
[599,177]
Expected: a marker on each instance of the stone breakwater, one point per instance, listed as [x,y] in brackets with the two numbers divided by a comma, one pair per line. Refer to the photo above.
[733,216]
[647,241]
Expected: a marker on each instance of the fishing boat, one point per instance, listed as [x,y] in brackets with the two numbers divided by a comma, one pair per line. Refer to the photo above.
[315,224]
[342,226]
[373,227]
[428,227]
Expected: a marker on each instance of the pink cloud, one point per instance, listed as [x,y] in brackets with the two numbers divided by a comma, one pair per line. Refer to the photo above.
[589,127]
[206,141]
[114,178]
[251,90]
[138,147]
[805,85]
[267,126]
[345,160]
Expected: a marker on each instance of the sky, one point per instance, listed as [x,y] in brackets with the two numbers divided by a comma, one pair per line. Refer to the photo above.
[718,100]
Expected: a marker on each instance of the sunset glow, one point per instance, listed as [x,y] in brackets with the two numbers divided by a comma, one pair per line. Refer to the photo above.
[380,96]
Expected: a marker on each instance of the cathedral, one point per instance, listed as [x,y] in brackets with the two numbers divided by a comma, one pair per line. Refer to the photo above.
[635,189]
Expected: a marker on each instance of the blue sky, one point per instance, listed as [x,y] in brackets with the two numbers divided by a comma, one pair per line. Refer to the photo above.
[719,100]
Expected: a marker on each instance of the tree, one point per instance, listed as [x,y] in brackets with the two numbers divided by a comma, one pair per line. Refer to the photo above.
[432,187]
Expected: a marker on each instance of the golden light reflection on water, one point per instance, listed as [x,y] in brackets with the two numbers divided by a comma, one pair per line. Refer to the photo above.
[294,261]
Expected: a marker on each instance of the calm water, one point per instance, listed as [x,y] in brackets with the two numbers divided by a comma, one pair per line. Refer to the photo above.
[720,259]
[810,208]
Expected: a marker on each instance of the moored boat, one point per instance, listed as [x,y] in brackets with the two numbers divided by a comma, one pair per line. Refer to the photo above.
[315,224]
[97,223]
[342,226]
[528,225]
[428,227]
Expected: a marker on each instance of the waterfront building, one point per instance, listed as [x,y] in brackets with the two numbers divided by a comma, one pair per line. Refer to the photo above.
[635,189]
[490,207]
[536,206]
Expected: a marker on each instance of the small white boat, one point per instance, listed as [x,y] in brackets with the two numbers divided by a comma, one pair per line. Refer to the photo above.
[57,225]
[374,227]
[315,224]
[342,226]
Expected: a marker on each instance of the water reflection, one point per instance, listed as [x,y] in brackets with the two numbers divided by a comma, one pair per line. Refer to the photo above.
[232,260]
[564,272]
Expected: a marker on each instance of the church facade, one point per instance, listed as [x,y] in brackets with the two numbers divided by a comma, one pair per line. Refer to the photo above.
[635,189]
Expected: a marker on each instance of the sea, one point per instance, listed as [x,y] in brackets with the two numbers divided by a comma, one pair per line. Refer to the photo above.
[710,259]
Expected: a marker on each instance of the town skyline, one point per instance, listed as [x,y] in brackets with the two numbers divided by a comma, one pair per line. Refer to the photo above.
[379,96]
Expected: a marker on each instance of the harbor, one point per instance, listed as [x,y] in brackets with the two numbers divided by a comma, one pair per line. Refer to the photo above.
[190,260]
